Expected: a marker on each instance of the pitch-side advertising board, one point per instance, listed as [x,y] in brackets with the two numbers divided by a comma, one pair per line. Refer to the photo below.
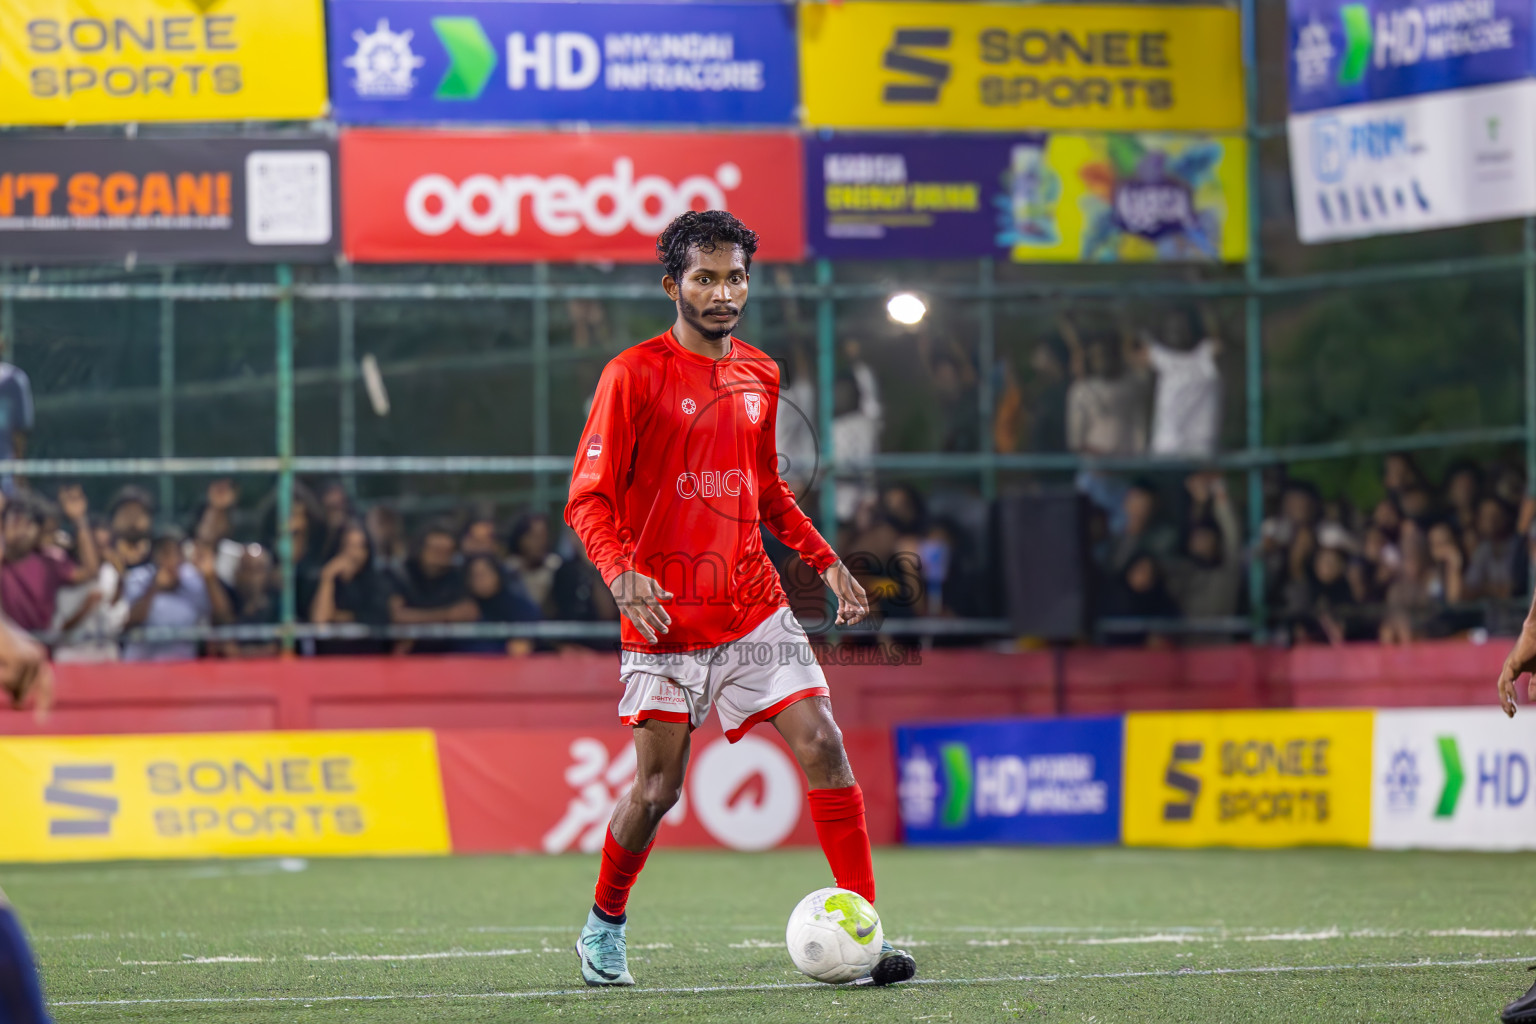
[425,61]
[1432,161]
[523,196]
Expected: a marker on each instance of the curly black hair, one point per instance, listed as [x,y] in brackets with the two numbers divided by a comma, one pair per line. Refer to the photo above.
[706,232]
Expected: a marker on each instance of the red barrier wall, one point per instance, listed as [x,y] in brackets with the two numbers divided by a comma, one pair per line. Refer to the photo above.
[580,692]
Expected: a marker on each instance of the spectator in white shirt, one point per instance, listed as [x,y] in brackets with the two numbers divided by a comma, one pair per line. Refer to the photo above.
[1186,412]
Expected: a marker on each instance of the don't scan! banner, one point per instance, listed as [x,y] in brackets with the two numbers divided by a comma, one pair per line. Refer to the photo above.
[1041,197]
[226,794]
[1009,66]
[1248,778]
[82,62]
[187,199]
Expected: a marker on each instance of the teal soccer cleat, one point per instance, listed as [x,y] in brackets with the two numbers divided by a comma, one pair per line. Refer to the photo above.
[601,952]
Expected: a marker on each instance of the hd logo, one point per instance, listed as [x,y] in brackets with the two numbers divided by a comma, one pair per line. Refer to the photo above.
[904,57]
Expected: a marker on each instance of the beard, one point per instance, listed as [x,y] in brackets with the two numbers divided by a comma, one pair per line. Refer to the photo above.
[713,331]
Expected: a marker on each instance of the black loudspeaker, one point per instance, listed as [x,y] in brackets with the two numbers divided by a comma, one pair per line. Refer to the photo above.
[1045,566]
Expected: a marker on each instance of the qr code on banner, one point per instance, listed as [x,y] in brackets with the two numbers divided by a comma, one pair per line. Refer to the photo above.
[288,197]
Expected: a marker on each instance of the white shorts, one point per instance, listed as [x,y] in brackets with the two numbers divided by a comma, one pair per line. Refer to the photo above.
[750,680]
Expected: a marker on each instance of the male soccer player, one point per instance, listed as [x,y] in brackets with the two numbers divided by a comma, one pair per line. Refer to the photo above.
[676,473]
[24,672]
[1522,659]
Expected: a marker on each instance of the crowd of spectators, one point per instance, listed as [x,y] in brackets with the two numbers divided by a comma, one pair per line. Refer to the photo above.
[89,582]
[1423,561]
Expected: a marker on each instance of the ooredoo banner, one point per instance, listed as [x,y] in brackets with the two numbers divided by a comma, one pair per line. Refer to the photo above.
[515,197]
[218,199]
[996,66]
[221,794]
[1355,52]
[1011,781]
[1248,778]
[82,61]
[428,61]
[1432,161]
[553,791]
[1454,779]
[1038,197]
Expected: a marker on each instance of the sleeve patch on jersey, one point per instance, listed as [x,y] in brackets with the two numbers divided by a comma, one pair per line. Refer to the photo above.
[594,446]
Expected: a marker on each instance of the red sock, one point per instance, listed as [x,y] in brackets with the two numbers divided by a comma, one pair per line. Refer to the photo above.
[618,873]
[839,818]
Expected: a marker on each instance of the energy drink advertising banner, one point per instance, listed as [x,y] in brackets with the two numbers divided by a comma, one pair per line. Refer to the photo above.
[1054,197]
[84,62]
[999,67]
[1011,781]
[1355,52]
[423,61]
[221,794]
[185,199]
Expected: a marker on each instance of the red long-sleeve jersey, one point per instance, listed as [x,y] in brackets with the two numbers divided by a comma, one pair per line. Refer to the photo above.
[676,473]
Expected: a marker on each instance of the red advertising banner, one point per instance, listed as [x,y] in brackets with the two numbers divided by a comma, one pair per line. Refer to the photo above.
[552,791]
[411,197]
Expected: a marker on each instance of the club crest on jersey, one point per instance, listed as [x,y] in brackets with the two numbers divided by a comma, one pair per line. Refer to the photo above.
[754,405]
[689,407]
[594,446]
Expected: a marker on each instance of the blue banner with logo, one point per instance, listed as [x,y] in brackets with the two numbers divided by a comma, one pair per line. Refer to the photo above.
[1355,52]
[394,61]
[1053,780]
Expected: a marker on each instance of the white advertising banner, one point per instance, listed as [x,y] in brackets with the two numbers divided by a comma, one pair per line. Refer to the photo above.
[1454,779]
[1431,161]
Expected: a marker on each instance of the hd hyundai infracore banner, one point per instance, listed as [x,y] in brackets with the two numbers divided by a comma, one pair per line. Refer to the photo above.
[224,199]
[494,60]
[413,197]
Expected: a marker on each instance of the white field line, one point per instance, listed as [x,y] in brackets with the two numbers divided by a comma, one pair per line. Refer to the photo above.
[194,960]
[706,989]
[1177,938]
[451,954]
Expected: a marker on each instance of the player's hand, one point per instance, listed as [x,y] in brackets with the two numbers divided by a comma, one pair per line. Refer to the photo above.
[639,598]
[852,602]
[24,671]
[1520,661]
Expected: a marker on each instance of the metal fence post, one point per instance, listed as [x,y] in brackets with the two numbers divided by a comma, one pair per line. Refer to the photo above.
[346,376]
[541,379]
[167,391]
[986,355]
[285,450]
[1253,315]
[826,370]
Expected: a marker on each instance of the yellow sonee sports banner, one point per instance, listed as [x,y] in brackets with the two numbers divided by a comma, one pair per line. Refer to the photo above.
[221,794]
[83,61]
[995,66]
[1248,778]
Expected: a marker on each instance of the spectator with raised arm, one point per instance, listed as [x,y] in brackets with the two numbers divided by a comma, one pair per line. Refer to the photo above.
[172,592]
[34,569]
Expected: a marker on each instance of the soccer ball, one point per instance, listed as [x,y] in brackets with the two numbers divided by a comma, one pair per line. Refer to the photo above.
[834,936]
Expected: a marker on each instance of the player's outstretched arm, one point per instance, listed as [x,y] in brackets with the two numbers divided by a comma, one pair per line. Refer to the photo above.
[24,670]
[639,598]
[1522,659]
[852,603]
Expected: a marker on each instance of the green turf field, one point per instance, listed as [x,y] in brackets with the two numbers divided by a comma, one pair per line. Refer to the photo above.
[1081,935]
